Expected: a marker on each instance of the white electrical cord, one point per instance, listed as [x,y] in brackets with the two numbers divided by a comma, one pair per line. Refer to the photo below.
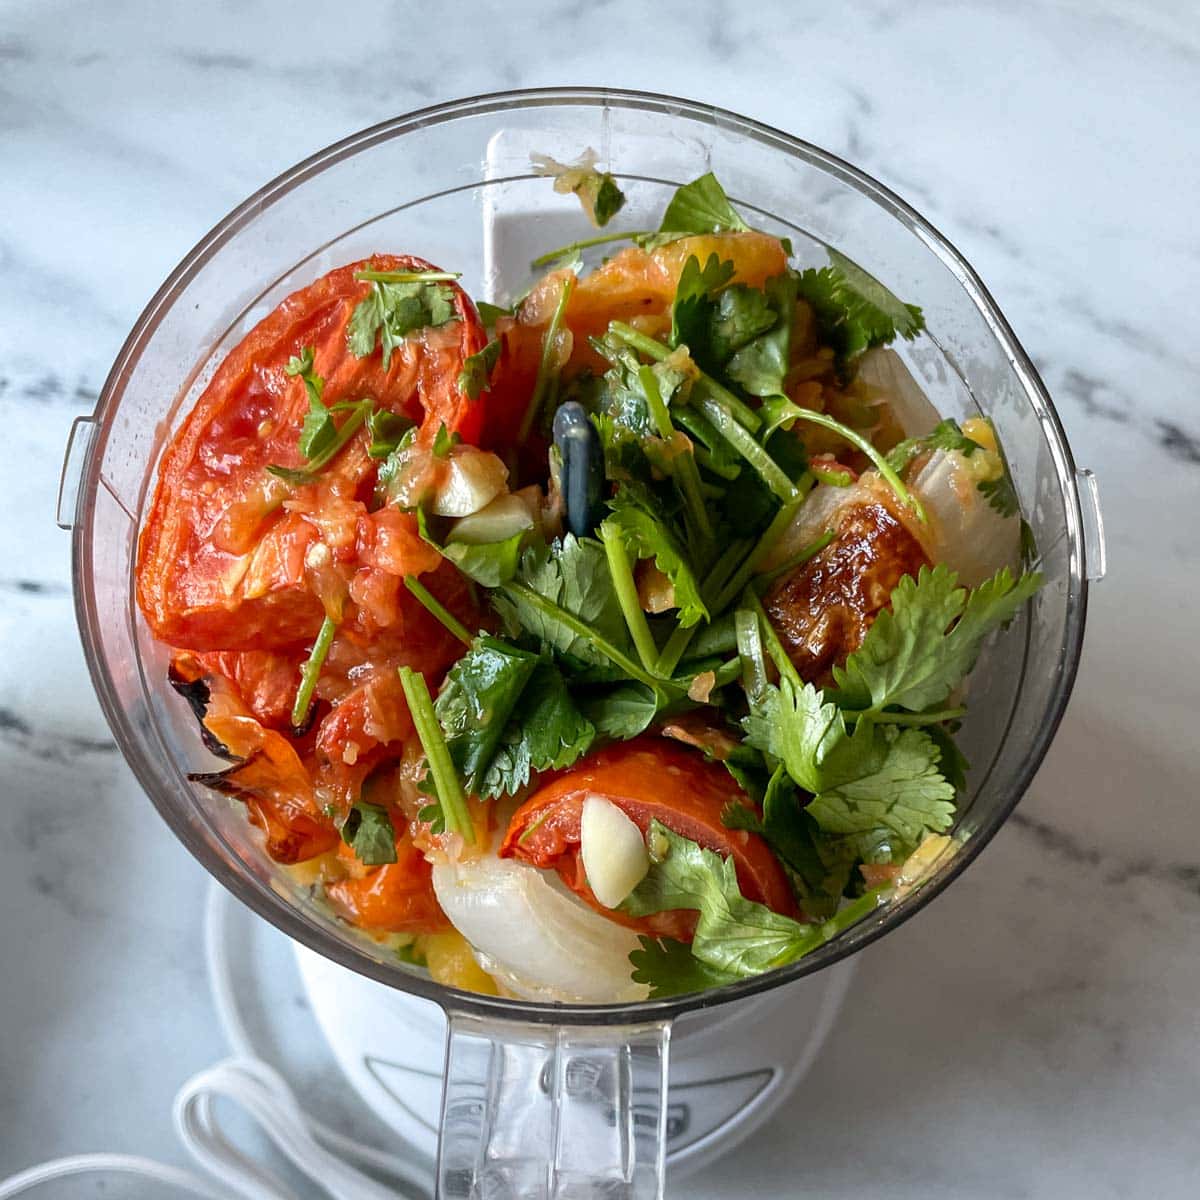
[260,1090]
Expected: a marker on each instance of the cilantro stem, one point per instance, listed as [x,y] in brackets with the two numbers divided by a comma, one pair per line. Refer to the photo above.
[810,551]
[441,766]
[903,718]
[308,473]
[720,571]
[550,256]
[737,409]
[439,610]
[778,526]
[748,447]
[407,276]
[627,594]
[311,670]
[544,375]
[860,443]
[774,647]
[582,630]
[839,479]
[683,466]
[709,461]
[750,654]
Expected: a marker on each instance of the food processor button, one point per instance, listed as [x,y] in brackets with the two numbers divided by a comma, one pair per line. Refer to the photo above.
[78,442]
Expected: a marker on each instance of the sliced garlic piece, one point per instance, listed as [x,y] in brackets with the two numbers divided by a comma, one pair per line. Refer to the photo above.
[613,851]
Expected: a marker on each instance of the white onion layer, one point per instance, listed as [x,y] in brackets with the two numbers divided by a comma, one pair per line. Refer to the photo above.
[538,941]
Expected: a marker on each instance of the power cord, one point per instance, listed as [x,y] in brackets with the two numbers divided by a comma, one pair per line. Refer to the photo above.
[316,1150]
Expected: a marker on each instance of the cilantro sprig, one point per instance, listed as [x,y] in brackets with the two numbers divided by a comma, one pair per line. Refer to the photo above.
[398,304]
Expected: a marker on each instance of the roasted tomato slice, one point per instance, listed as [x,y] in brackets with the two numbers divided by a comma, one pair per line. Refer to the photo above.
[222,553]
[648,778]
[395,898]
[274,785]
[823,609]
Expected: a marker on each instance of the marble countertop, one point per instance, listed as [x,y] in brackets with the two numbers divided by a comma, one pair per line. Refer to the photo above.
[1035,1032]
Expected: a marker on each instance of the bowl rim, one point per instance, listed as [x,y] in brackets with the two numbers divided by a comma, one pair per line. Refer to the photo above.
[268,904]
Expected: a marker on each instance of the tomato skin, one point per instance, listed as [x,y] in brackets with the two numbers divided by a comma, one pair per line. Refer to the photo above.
[395,898]
[220,560]
[648,778]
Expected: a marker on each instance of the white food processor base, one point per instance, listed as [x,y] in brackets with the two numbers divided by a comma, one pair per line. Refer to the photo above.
[731,1068]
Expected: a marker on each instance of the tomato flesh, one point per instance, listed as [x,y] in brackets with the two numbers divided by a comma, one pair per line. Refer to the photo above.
[649,779]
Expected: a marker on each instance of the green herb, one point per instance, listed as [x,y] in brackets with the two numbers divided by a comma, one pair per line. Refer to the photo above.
[476,701]
[701,207]
[670,969]
[569,251]
[489,314]
[906,795]
[547,375]
[387,478]
[386,430]
[431,603]
[734,936]
[853,310]
[945,435]
[547,732]
[563,596]
[683,465]
[788,412]
[817,867]
[1001,494]
[760,363]
[487,563]
[318,431]
[646,534]
[916,653]
[311,670]
[444,441]
[693,306]
[451,803]
[476,374]
[621,712]
[613,540]
[342,435]
[368,831]
[750,651]
[399,303]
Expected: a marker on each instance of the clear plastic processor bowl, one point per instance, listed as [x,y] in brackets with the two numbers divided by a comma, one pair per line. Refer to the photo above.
[545,1099]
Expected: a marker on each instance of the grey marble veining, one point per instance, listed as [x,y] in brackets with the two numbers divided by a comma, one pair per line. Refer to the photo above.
[1034,1033]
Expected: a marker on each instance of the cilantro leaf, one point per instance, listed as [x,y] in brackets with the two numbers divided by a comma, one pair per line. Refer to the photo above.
[906,795]
[808,734]
[391,311]
[741,314]
[621,712]
[701,207]
[735,937]
[318,431]
[853,310]
[444,441]
[670,969]
[475,702]
[476,373]
[647,535]
[693,304]
[368,831]
[573,574]
[547,732]
[597,191]
[489,314]
[386,430]
[945,435]
[760,364]
[1001,494]
[487,563]
[606,198]
[912,655]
